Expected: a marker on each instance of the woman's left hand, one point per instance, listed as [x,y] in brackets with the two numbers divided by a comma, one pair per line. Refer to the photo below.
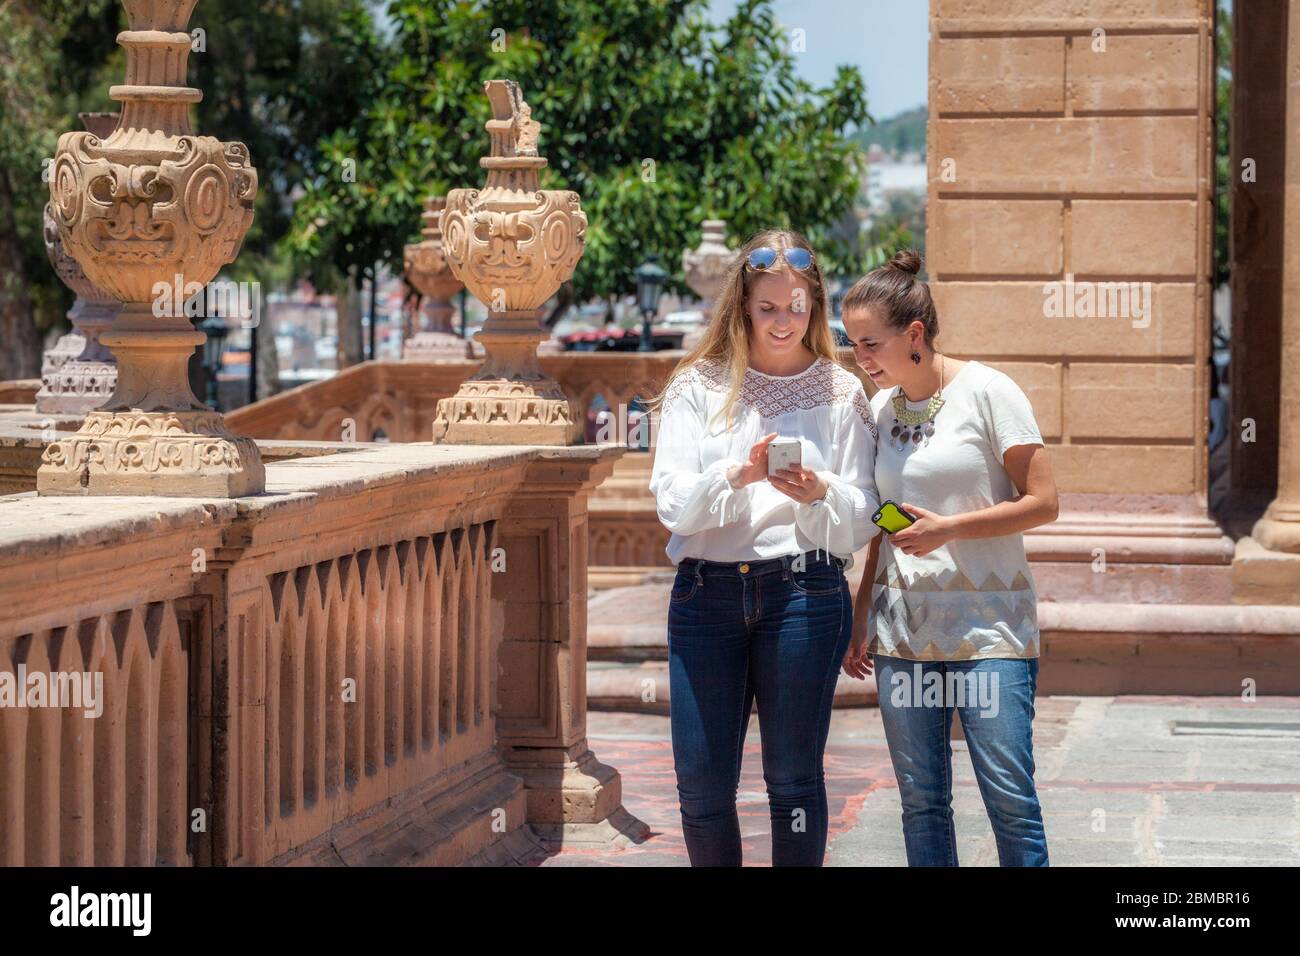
[800,483]
[928,532]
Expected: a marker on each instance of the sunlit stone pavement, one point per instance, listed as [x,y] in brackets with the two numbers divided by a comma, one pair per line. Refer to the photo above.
[1124,781]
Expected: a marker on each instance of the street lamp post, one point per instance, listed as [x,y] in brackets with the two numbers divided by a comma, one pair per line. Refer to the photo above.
[650,279]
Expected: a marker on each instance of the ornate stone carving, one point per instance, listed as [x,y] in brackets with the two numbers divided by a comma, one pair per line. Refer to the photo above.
[705,266]
[427,272]
[152,203]
[79,373]
[511,244]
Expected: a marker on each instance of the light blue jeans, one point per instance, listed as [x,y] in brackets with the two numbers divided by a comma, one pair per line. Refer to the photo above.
[995,700]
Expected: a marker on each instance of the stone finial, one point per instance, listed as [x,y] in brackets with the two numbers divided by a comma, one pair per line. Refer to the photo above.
[705,266]
[152,205]
[512,244]
[427,272]
[79,373]
[512,127]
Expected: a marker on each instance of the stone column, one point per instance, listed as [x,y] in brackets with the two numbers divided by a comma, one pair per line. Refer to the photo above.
[1266,568]
[82,378]
[1258,99]
[428,273]
[511,244]
[1071,186]
[151,209]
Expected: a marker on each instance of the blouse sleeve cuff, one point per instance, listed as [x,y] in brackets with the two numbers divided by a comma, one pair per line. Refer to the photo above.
[728,501]
[836,520]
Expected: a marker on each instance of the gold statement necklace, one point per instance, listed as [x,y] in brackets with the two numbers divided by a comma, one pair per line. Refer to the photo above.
[911,425]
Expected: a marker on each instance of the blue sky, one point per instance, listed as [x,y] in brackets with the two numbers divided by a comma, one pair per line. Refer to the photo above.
[887,41]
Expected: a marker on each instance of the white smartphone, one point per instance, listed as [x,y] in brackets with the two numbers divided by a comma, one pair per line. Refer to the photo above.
[783,453]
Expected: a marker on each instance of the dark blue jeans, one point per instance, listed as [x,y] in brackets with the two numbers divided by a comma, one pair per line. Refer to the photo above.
[767,631]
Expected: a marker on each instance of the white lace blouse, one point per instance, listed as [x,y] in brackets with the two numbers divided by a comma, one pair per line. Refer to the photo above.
[823,406]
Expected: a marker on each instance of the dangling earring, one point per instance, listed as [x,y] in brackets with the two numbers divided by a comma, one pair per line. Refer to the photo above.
[916,358]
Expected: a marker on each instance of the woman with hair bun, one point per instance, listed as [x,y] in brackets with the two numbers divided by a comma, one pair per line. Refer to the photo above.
[947,607]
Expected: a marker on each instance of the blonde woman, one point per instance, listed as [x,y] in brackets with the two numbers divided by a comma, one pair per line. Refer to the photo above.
[760,610]
[950,619]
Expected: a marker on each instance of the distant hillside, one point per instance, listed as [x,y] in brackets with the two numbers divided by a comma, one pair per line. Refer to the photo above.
[898,134]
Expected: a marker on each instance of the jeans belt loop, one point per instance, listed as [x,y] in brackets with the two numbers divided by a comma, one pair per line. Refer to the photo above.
[699,574]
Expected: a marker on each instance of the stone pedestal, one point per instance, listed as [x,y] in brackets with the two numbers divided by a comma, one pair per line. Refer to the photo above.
[153,437]
[1261,576]
[542,729]
[67,348]
[153,203]
[510,400]
[512,244]
[84,379]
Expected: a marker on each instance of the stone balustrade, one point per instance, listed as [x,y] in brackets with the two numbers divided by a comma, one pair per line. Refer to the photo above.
[1171,551]
[379,660]
[110,595]
[398,400]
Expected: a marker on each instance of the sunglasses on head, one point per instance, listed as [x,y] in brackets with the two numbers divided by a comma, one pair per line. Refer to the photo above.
[764,257]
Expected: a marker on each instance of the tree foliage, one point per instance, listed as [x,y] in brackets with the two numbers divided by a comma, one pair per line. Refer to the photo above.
[656,118]
[44,69]
[353,113]
[1223,171]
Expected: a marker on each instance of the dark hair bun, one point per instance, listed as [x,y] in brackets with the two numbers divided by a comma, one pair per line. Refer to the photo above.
[906,260]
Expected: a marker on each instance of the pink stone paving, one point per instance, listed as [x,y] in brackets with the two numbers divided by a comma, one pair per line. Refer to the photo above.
[1172,800]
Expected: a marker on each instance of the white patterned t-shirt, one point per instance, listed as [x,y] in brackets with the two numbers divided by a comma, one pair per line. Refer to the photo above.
[972,597]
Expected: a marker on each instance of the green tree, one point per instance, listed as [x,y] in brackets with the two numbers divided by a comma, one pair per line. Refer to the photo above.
[279,78]
[1222,143]
[656,118]
[47,58]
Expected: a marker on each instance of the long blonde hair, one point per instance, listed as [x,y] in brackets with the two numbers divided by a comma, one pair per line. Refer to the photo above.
[726,339]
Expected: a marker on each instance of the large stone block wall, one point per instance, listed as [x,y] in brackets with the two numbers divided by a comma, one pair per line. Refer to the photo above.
[1050,159]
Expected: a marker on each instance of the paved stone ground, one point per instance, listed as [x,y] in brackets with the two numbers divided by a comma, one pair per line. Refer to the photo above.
[1118,786]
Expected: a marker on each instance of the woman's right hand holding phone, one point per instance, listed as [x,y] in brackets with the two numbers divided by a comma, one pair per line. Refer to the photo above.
[755,469]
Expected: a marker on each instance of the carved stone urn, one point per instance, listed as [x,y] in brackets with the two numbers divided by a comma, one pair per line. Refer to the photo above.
[429,274]
[74,384]
[705,266]
[147,210]
[512,244]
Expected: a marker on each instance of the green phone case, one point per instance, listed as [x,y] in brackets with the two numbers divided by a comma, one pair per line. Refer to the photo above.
[891,517]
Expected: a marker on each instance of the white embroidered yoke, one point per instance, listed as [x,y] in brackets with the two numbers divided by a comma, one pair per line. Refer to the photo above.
[823,406]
